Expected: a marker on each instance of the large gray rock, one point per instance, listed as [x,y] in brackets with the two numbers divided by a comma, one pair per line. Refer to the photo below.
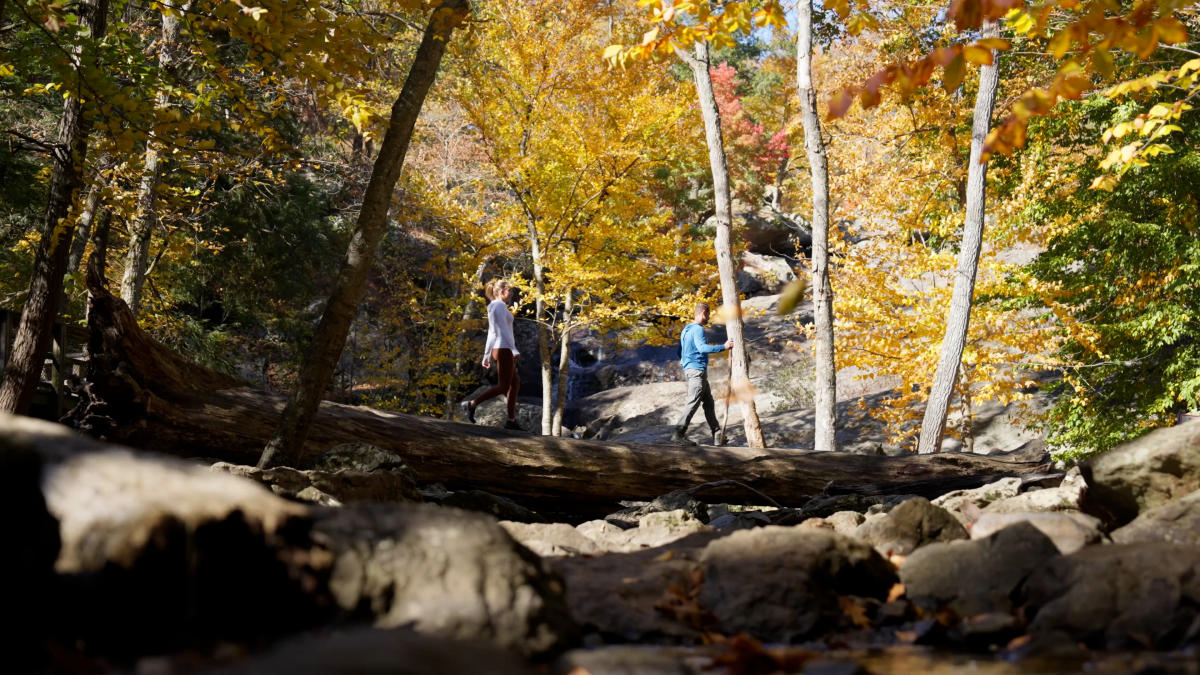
[910,525]
[1157,468]
[550,539]
[759,274]
[653,530]
[1176,522]
[1120,596]
[978,576]
[1067,496]
[628,597]
[1069,530]
[443,572]
[359,457]
[967,505]
[672,501]
[781,584]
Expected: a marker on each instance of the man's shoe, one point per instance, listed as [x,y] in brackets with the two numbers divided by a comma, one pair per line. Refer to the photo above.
[717,438]
[678,438]
[468,410]
[512,424]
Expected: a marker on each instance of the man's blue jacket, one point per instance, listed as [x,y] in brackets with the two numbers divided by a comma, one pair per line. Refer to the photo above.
[695,347]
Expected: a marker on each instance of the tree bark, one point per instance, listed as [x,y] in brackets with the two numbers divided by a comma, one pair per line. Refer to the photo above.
[145,214]
[543,324]
[83,228]
[160,402]
[739,363]
[330,337]
[50,264]
[564,364]
[824,369]
[933,426]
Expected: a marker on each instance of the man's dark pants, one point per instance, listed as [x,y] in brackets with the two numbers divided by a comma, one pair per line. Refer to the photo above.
[698,393]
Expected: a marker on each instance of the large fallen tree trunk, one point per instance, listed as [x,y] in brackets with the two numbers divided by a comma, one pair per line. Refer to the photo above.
[155,400]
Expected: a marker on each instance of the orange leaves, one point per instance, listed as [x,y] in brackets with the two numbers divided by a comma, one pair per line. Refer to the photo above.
[1092,30]
[679,24]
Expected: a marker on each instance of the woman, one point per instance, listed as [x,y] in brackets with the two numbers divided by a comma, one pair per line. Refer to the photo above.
[501,348]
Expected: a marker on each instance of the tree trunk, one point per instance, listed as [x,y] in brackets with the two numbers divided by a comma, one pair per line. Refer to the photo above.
[824,370]
[160,402]
[543,324]
[50,264]
[933,426]
[330,337]
[145,214]
[739,364]
[564,365]
[83,227]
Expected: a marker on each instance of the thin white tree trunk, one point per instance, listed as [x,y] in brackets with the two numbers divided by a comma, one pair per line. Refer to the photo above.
[146,212]
[933,426]
[564,365]
[824,371]
[739,363]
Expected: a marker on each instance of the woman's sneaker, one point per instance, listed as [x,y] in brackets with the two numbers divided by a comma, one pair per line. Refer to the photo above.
[468,410]
[512,424]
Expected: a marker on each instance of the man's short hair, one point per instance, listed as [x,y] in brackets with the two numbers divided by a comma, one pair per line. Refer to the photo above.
[701,306]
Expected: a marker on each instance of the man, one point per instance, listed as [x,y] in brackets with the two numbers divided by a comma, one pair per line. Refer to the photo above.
[694,357]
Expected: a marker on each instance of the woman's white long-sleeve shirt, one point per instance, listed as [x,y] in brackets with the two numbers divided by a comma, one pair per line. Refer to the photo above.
[500,329]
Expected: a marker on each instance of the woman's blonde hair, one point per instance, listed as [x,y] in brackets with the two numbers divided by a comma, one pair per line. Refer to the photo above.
[495,287]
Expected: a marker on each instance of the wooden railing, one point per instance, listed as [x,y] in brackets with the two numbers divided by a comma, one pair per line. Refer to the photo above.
[64,364]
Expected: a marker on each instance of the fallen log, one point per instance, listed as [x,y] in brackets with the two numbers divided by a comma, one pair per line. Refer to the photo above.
[153,399]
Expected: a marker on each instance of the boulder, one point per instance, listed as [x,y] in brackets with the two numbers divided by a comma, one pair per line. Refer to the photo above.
[967,505]
[443,572]
[1123,596]
[845,522]
[654,529]
[1157,468]
[1176,522]
[910,525]
[1069,530]
[763,274]
[550,539]
[781,584]
[672,501]
[1067,496]
[359,457]
[642,596]
[977,576]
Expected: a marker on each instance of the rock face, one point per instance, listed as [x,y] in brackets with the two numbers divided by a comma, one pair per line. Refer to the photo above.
[359,457]
[781,584]
[444,572]
[910,525]
[1157,468]
[1120,596]
[759,274]
[1176,522]
[979,576]
[1069,530]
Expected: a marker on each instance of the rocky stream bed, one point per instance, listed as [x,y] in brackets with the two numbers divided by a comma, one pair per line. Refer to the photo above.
[135,562]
